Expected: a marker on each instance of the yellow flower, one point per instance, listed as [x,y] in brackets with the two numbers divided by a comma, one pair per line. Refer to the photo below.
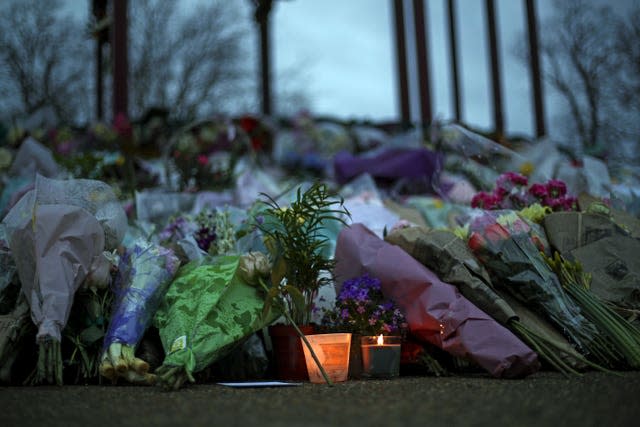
[527,168]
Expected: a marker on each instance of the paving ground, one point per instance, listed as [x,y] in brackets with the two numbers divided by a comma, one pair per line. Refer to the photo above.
[544,399]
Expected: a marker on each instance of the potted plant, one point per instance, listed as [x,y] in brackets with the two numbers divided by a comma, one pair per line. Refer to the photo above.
[296,238]
[362,309]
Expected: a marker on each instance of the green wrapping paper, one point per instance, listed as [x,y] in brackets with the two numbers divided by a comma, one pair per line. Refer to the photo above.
[207,310]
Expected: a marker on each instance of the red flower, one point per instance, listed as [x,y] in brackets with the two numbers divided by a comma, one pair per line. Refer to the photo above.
[248,124]
[496,233]
[476,242]
[203,160]
[538,243]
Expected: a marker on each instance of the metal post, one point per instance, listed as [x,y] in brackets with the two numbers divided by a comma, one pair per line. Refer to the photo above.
[99,87]
[262,11]
[453,49]
[401,55]
[422,48]
[99,8]
[534,63]
[498,118]
[119,57]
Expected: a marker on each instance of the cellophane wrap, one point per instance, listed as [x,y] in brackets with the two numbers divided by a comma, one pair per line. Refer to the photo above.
[57,233]
[145,271]
[208,311]
[510,247]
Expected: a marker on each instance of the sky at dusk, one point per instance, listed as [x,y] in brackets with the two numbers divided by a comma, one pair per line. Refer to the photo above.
[341,53]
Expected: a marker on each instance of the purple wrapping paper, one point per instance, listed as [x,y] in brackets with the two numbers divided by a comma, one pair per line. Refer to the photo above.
[390,163]
[435,311]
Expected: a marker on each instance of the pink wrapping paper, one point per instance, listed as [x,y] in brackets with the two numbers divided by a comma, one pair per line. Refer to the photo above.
[436,311]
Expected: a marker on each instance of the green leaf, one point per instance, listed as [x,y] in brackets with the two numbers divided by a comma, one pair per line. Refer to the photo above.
[278,271]
[91,334]
[297,298]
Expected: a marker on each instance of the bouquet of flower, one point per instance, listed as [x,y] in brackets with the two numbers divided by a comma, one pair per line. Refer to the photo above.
[512,192]
[204,154]
[361,308]
[507,246]
[145,272]
[208,310]
[211,230]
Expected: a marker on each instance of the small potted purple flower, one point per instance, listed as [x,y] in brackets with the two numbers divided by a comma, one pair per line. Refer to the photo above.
[362,309]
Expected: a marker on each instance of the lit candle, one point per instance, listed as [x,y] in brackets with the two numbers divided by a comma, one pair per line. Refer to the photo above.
[380,356]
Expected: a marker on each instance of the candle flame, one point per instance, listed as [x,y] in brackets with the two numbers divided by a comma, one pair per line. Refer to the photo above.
[380,340]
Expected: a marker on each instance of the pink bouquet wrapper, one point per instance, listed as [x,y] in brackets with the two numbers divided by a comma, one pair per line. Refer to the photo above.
[436,312]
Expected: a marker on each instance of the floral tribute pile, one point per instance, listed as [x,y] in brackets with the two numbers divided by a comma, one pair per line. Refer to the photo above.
[240,235]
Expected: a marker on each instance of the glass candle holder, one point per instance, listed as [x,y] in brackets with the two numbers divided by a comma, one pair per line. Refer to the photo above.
[380,356]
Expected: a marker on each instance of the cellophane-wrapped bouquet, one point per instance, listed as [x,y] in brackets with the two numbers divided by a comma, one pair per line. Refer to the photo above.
[145,272]
[511,248]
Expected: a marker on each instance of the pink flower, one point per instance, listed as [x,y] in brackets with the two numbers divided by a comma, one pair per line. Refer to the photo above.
[122,125]
[500,193]
[556,188]
[538,191]
[203,160]
[557,204]
[484,200]
[569,203]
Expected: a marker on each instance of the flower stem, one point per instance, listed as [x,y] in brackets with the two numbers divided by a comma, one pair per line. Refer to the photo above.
[304,338]
[308,344]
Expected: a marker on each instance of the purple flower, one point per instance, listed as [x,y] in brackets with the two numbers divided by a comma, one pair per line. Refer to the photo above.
[362,308]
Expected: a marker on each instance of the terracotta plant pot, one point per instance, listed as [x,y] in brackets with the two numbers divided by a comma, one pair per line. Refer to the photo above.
[288,353]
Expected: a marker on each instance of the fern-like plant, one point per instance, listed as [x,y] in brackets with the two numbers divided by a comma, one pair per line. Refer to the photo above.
[294,236]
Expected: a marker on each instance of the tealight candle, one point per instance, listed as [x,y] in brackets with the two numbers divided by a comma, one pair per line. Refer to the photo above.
[380,356]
